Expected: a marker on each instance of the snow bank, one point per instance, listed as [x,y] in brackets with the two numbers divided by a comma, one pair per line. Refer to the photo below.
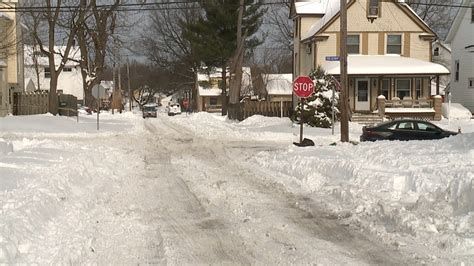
[5,147]
[456,111]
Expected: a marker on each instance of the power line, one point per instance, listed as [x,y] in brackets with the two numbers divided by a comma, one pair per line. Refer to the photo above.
[177,5]
[440,5]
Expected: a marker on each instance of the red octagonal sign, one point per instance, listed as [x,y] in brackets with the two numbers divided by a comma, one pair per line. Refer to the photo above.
[303,86]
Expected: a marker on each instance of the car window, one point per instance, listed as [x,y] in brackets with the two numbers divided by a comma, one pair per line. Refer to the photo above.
[393,126]
[405,125]
[426,127]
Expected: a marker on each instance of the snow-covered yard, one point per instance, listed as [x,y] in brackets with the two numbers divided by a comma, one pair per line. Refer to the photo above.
[72,194]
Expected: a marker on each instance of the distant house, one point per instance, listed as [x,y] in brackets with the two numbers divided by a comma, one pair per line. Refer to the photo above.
[390,55]
[209,91]
[461,39]
[38,74]
[279,87]
[441,55]
[11,56]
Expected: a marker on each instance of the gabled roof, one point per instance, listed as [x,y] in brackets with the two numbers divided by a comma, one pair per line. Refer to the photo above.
[333,12]
[458,20]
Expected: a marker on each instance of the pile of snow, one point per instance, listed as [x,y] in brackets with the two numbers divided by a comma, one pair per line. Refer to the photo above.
[5,147]
[456,111]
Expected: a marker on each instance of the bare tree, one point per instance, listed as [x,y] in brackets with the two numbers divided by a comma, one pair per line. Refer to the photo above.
[95,28]
[281,27]
[438,14]
[60,27]
[166,47]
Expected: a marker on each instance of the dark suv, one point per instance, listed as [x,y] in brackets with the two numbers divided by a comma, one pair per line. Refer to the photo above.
[149,110]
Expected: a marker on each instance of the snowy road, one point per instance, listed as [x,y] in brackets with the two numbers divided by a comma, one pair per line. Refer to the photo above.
[213,208]
[201,189]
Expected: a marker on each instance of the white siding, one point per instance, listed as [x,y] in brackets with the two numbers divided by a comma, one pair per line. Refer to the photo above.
[461,93]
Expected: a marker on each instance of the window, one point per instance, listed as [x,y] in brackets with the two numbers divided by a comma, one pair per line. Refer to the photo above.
[418,89]
[472,14]
[67,69]
[471,83]
[353,44]
[456,73]
[426,127]
[436,51]
[394,44]
[403,88]
[406,125]
[374,9]
[213,101]
[385,88]
[47,72]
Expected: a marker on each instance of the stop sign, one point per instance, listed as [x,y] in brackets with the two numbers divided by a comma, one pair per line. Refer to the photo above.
[303,86]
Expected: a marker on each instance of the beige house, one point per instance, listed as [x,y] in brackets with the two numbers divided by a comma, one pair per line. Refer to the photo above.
[11,56]
[209,94]
[390,54]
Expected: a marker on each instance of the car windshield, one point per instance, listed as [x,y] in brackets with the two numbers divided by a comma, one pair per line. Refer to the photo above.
[150,108]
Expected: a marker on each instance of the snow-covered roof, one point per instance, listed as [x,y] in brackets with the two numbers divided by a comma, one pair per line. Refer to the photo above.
[279,84]
[74,54]
[385,64]
[331,10]
[209,92]
[4,15]
[311,7]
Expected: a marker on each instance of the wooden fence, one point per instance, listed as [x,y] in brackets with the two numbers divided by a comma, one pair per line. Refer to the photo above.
[279,109]
[30,103]
[33,103]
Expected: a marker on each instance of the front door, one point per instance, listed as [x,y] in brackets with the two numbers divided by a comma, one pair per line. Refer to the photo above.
[362,100]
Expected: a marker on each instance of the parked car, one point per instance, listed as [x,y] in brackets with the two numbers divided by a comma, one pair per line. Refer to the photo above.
[404,129]
[173,109]
[149,110]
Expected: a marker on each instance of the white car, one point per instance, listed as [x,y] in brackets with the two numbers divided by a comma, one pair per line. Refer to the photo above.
[173,109]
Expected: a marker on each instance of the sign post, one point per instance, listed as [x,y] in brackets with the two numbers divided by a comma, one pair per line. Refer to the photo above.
[303,87]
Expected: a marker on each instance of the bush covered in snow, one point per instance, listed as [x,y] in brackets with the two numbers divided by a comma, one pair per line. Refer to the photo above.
[318,107]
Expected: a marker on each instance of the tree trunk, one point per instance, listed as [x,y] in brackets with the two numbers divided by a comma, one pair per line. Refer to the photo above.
[236,69]
[53,95]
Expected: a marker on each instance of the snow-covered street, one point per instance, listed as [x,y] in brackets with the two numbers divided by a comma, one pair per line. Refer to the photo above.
[199,189]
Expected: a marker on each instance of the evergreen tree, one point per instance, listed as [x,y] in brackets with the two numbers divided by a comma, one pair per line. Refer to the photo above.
[318,107]
[213,37]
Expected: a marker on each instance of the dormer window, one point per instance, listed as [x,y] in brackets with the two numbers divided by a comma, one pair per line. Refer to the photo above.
[373,10]
[436,51]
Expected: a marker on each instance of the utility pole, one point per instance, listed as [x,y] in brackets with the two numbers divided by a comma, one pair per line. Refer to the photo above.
[344,79]
[128,85]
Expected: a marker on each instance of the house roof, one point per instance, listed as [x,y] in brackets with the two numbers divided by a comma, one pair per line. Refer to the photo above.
[385,65]
[279,84]
[209,92]
[458,20]
[332,12]
[74,54]
[311,7]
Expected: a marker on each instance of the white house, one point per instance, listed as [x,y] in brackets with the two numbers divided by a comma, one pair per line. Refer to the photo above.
[37,75]
[441,54]
[461,39]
